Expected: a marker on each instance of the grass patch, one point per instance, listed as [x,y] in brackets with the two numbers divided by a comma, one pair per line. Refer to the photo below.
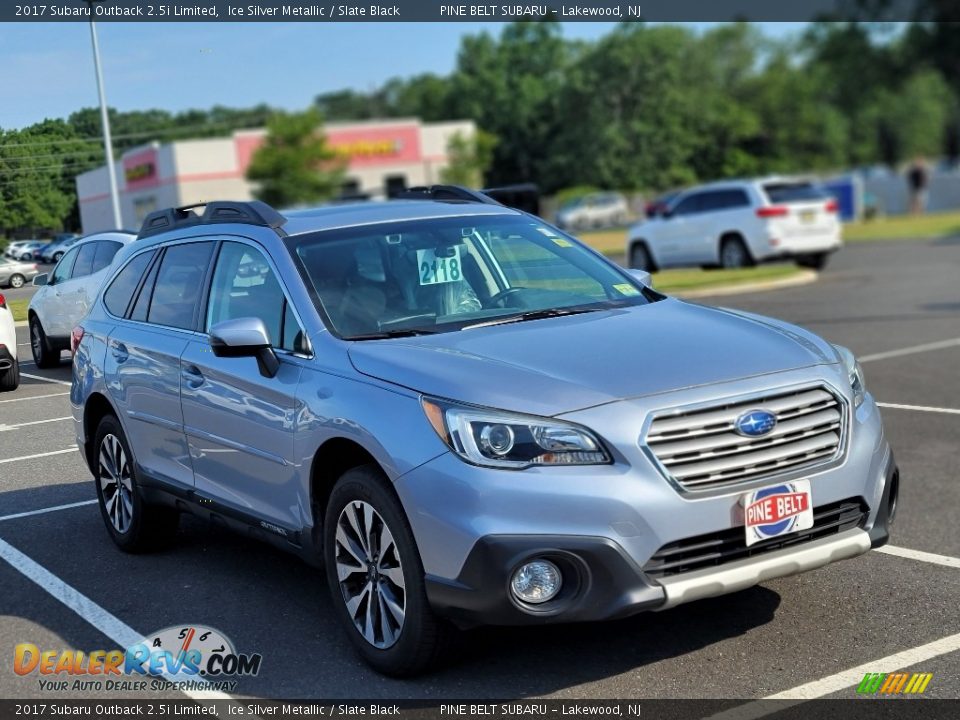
[609,242]
[696,279]
[19,308]
[905,227]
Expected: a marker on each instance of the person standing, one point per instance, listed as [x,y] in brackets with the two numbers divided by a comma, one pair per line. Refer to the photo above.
[918,178]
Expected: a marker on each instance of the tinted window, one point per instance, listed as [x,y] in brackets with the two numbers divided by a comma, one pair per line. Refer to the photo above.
[62,271]
[689,205]
[118,295]
[178,285]
[793,192]
[106,250]
[245,286]
[84,264]
[142,304]
[723,200]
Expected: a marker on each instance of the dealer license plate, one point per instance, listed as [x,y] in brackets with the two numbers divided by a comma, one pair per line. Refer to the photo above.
[778,510]
[808,216]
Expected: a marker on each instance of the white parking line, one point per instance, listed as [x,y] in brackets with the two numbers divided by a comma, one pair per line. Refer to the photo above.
[920,555]
[43,511]
[107,623]
[919,408]
[72,448]
[926,347]
[44,379]
[840,681]
[34,397]
[5,428]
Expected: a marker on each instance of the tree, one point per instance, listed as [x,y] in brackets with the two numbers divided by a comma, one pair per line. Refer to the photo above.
[469,159]
[295,165]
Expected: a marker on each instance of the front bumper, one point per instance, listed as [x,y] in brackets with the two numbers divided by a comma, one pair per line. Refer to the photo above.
[603,524]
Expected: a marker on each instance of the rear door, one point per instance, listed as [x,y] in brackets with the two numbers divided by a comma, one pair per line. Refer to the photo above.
[239,423]
[142,365]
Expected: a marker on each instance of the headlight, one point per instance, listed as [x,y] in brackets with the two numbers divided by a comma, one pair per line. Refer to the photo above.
[494,438]
[855,374]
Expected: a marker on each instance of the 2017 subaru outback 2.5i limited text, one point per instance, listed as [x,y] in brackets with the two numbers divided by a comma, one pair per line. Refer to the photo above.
[467,415]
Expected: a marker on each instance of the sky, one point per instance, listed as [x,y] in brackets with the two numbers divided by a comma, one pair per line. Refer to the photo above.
[47,68]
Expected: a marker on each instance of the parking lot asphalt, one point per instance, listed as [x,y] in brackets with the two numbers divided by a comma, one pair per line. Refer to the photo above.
[896,305]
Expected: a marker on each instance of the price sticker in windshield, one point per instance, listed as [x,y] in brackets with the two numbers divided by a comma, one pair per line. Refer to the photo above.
[443,268]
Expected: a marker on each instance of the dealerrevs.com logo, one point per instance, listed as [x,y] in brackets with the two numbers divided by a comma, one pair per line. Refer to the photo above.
[898,683]
[184,656]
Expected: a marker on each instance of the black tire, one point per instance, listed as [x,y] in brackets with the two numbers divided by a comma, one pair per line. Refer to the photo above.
[26,257]
[145,527]
[17,281]
[816,261]
[734,254]
[421,638]
[44,355]
[57,257]
[640,257]
[10,378]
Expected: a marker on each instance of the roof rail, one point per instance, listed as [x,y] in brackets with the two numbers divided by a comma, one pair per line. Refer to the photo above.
[254,212]
[445,192]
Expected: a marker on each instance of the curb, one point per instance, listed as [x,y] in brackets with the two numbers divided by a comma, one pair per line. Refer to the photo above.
[804,277]
[21,323]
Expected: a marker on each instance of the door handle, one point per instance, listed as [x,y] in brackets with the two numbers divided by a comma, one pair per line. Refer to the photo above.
[120,353]
[192,375]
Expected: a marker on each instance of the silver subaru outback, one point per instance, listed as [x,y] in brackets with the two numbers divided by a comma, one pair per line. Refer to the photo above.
[466,417]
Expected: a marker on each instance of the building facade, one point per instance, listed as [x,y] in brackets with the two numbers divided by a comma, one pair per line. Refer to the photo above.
[382,157]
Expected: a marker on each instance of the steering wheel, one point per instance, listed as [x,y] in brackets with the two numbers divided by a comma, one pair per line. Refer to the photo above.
[503,295]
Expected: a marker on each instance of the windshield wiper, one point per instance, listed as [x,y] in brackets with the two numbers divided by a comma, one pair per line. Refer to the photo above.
[398,333]
[531,315]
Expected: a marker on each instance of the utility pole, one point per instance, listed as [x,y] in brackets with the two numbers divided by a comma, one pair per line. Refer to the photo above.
[105,122]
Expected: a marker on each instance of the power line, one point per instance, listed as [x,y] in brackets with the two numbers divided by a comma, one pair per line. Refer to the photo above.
[129,136]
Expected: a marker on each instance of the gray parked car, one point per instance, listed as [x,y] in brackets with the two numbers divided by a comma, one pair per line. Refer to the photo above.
[16,273]
[469,417]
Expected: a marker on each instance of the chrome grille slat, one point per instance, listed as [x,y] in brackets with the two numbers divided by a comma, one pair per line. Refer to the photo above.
[714,445]
[700,449]
[707,421]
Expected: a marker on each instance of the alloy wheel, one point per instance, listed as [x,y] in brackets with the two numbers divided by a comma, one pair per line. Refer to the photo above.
[370,574]
[36,342]
[16,281]
[734,255]
[116,483]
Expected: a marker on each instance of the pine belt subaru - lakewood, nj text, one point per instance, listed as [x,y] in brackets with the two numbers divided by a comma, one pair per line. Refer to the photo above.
[469,417]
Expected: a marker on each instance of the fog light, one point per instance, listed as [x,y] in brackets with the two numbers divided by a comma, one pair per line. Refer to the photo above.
[536,582]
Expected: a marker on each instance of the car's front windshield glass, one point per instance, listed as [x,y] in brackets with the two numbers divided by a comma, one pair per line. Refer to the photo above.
[447,274]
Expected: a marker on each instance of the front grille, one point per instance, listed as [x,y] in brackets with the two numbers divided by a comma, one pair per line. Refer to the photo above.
[700,449]
[726,546]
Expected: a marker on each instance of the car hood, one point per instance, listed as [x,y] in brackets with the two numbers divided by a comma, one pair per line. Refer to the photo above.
[562,364]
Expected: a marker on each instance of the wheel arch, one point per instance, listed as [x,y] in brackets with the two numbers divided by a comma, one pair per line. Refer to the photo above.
[734,235]
[96,407]
[634,242]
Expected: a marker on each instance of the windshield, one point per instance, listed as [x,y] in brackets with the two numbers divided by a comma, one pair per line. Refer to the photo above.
[442,275]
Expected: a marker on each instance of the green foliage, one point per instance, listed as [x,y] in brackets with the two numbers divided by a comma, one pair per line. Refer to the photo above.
[295,165]
[469,158]
[568,195]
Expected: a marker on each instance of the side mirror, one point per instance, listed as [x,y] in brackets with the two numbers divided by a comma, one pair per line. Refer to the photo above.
[245,337]
[643,277]
[41,279]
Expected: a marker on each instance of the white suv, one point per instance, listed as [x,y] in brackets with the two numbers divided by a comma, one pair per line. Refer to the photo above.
[64,296]
[9,368]
[738,223]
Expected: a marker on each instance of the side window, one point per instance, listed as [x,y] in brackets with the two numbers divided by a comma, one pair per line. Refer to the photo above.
[142,304]
[178,285]
[84,264]
[689,205]
[62,271]
[118,295]
[106,251]
[245,286]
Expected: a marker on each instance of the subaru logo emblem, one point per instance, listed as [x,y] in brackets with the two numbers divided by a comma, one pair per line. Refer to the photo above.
[756,423]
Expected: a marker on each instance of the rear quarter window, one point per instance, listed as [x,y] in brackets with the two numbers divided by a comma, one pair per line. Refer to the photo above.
[118,295]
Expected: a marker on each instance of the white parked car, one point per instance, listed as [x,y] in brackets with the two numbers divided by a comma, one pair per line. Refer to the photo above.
[9,367]
[65,294]
[735,224]
[596,210]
